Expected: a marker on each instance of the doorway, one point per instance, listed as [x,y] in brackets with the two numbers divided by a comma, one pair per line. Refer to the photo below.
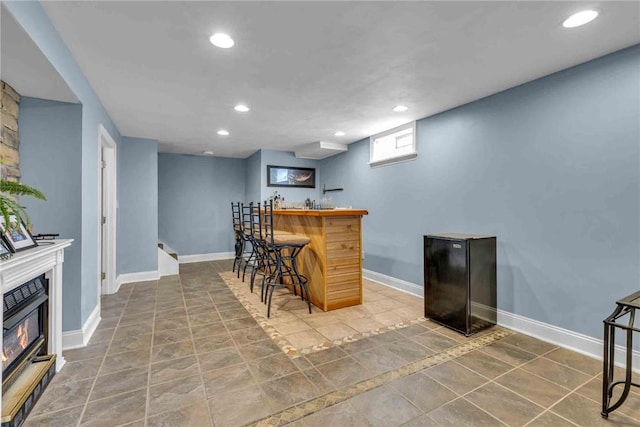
[106,213]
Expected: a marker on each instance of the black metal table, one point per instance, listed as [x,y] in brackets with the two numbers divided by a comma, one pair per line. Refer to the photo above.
[626,307]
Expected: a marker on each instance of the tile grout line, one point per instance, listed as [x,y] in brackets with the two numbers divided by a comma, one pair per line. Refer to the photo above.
[569,391]
[314,405]
[193,343]
[236,345]
[153,330]
[104,357]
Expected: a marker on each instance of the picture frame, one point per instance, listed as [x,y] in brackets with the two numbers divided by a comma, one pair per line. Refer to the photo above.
[5,253]
[290,176]
[17,239]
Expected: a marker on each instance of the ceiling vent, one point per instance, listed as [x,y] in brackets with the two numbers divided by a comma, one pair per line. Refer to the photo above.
[319,150]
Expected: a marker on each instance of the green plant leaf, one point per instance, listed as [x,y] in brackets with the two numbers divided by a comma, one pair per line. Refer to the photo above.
[9,207]
[20,189]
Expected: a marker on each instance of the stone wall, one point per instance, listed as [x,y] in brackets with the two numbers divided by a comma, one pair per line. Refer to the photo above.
[9,136]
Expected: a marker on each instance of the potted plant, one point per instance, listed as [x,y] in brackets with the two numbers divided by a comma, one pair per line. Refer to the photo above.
[9,191]
[9,207]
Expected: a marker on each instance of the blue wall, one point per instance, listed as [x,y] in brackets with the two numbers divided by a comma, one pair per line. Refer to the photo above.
[194,202]
[137,205]
[34,20]
[552,168]
[253,177]
[50,150]
[287,158]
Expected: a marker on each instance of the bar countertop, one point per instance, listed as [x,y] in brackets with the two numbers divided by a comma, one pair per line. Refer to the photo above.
[321,212]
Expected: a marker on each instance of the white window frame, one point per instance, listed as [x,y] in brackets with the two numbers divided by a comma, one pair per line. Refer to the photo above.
[398,157]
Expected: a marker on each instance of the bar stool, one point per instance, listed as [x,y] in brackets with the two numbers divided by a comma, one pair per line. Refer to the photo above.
[625,307]
[285,247]
[248,257]
[265,256]
[237,230]
[265,259]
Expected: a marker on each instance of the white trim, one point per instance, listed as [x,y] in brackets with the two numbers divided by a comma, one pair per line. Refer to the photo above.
[580,343]
[80,337]
[392,282]
[216,256]
[167,265]
[139,276]
[108,259]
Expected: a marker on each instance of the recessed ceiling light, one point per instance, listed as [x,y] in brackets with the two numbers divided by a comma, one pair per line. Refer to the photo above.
[221,40]
[339,133]
[400,108]
[223,132]
[208,153]
[241,108]
[580,18]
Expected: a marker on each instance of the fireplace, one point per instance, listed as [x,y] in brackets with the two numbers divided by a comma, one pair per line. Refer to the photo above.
[24,327]
[26,367]
[25,378]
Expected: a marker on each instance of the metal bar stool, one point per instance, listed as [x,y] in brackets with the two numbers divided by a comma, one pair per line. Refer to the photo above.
[265,259]
[248,257]
[237,230]
[286,247]
[625,307]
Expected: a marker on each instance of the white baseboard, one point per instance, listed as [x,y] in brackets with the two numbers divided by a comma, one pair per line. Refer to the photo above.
[575,341]
[140,276]
[392,282]
[216,256]
[80,337]
[580,343]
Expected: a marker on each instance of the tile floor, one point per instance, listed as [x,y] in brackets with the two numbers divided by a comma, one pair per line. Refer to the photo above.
[298,332]
[183,351]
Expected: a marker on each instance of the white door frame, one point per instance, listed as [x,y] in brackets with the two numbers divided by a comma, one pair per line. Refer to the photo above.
[107,151]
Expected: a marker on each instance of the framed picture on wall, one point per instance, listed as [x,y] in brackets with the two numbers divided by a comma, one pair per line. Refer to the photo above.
[286,176]
[16,236]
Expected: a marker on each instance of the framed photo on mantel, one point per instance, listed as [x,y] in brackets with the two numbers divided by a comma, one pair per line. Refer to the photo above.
[4,251]
[16,237]
[288,176]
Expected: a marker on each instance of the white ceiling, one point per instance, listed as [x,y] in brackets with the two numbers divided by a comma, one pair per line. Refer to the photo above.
[307,69]
[25,67]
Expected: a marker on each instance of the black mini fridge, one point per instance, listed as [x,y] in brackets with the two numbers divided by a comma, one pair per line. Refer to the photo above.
[460,281]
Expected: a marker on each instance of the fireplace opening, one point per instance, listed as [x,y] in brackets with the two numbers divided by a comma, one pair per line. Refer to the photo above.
[20,338]
[24,327]
[26,367]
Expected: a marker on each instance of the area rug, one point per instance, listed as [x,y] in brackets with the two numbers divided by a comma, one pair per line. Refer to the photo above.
[298,333]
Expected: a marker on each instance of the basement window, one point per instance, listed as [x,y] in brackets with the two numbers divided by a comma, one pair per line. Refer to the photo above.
[394,146]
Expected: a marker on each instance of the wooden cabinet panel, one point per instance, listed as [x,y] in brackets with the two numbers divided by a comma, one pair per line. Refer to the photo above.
[343,234]
[342,221]
[343,294]
[354,259]
[332,260]
[351,276]
[343,250]
[347,284]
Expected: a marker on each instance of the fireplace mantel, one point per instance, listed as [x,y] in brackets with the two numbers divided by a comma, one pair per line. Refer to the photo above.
[46,259]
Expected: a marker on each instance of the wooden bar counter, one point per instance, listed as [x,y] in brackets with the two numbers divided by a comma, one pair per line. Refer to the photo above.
[332,262]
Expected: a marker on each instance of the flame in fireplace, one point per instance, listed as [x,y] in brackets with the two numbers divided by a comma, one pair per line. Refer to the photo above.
[23,334]
[22,341]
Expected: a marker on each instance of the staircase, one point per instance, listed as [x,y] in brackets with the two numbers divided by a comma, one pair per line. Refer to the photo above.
[167,260]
